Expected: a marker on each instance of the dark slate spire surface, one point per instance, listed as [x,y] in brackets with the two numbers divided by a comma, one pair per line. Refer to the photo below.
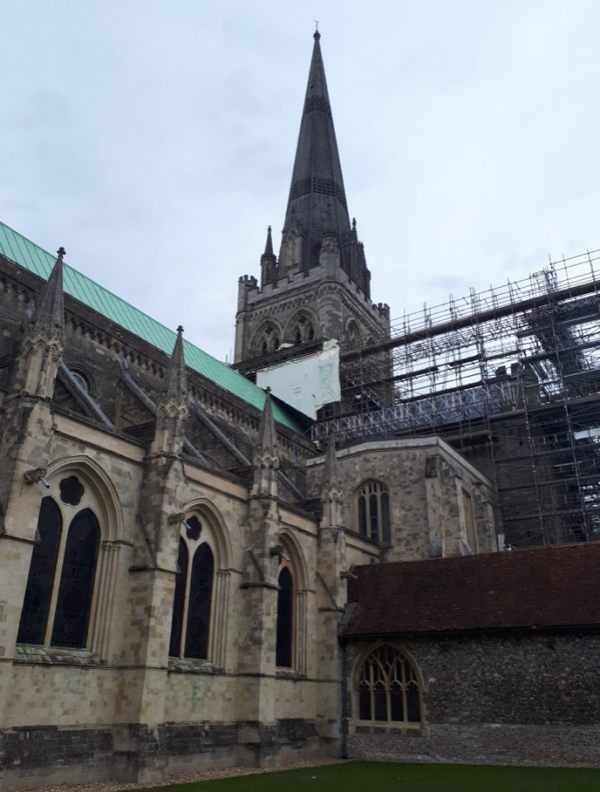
[317,199]
[50,315]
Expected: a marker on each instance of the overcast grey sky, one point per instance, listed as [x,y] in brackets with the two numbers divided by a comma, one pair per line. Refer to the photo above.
[154,139]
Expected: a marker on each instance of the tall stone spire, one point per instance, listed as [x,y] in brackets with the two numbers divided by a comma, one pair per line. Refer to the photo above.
[172,407]
[317,210]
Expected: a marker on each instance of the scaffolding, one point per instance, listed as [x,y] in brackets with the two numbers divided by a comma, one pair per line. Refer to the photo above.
[510,376]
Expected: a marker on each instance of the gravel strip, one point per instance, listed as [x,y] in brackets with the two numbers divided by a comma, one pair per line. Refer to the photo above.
[183,778]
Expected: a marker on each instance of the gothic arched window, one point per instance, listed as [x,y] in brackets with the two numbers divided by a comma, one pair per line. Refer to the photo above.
[387,689]
[62,574]
[36,607]
[372,506]
[353,337]
[284,654]
[301,330]
[268,339]
[190,623]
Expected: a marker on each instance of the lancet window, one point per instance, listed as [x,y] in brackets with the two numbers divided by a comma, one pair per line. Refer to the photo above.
[62,581]
[387,690]
[284,655]
[192,605]
[372,511]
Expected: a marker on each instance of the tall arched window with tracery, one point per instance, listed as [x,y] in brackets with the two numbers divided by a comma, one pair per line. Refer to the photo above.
[284,653]
[62,579]
[192,603]
[387,689]
[372,511]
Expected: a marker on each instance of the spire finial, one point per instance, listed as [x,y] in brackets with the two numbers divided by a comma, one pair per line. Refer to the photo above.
[61,252]
[179,329]
[316,34]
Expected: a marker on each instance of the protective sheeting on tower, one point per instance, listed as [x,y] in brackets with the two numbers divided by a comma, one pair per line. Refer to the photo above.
[306,383]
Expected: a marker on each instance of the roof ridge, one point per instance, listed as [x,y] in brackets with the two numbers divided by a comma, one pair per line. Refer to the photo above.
[255,395]
[489,554]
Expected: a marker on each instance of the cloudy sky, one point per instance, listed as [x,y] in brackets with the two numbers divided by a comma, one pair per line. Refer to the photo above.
[154,139]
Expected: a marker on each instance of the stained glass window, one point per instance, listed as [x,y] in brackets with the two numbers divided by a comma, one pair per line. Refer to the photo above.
[179,599]
[192,602]
[74,602]
[388,689]
[62,574]
[373,511]
[285,613]
[38,594]
[201,582]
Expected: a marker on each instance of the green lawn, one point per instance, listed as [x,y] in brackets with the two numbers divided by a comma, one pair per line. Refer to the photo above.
[392,777]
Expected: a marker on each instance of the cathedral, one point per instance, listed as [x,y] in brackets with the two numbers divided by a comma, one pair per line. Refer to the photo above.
[189,580]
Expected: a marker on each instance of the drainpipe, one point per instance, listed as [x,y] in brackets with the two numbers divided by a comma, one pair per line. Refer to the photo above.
[345,715]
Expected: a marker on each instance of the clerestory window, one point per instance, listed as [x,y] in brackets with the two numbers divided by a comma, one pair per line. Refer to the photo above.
[387,690]
[372,511]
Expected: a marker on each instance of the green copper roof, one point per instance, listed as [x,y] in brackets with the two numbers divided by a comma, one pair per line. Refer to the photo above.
[33,258]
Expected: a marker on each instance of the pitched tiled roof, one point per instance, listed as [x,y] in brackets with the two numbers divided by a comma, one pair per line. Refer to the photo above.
[31,257]
[535,588]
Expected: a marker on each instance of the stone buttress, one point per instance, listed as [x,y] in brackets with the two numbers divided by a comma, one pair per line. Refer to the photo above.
[25,451]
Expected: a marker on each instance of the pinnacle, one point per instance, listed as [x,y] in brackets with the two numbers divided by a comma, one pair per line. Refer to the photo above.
[330,469]
[267,435]
[175,384]
[269,244]
[50,315]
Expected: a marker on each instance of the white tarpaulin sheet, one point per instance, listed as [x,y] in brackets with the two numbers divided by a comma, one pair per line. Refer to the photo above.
[306,383]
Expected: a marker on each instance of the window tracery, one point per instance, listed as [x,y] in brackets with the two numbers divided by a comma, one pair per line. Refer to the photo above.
[302,330]
[268,339]
[388,689]
[372,511]
[192,603]
[62,575]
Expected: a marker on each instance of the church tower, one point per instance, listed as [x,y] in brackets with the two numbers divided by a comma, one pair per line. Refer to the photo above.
[318,288]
